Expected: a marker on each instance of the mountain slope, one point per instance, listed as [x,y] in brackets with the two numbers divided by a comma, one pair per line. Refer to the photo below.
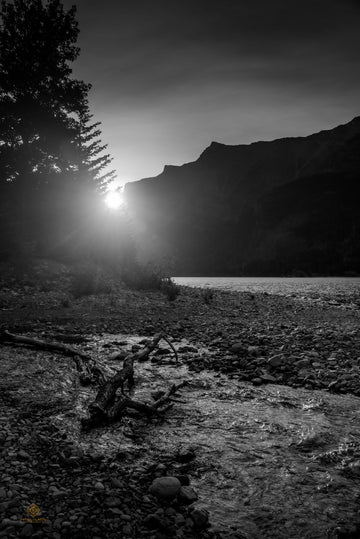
[256,209]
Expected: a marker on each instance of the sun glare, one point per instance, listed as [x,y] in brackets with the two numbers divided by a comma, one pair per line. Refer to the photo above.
[114,200]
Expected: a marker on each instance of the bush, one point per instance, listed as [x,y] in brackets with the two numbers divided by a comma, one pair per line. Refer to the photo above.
[208,295]
[142,278]
[150,278]
[89,280]
[170,289]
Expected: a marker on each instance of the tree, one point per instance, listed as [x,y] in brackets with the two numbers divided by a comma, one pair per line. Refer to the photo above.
[49,149]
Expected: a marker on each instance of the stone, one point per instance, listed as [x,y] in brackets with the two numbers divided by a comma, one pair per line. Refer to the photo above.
[113,502]
[268,378]
[187,495]
[165,488]
[27,531]
[115,482]
[99,486]
[200,518]
[237,348]
[185,455]
[2,493]
[184,480]
[302,363]
[153,522]
[276,361]
[23,455]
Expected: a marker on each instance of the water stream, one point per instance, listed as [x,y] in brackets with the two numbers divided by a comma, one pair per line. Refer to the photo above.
[271,461]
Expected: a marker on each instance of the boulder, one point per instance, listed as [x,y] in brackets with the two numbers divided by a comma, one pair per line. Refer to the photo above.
[165,488]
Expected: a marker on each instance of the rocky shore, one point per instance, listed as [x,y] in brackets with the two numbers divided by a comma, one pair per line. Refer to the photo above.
[255,338]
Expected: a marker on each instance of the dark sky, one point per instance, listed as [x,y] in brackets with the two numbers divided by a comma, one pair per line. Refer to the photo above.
[171,76]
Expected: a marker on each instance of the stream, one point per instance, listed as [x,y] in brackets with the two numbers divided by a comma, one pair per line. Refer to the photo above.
[271,461]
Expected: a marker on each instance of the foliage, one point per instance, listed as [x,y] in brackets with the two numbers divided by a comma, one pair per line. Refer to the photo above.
[142,277]
[51,157]
[170,289]
[149,277]
[89,279]
[208,295]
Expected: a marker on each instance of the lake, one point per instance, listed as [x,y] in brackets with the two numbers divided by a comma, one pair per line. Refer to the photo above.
[306,287]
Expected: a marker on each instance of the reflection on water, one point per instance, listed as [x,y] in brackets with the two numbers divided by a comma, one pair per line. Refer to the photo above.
[299,286]
[260,465]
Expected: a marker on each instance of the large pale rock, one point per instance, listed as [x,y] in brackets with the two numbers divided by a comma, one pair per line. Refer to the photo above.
[165,488]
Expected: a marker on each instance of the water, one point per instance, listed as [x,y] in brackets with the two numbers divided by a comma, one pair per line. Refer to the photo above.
[305,287]
[271,461]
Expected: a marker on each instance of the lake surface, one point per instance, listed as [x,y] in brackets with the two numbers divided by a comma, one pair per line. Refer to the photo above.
[306,287]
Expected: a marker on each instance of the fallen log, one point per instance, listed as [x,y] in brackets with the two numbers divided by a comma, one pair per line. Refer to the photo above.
[89,371]
[104,409]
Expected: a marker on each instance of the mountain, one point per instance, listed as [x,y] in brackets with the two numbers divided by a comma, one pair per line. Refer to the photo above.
[289,206]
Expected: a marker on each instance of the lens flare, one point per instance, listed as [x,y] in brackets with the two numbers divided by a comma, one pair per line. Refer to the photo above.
[114,199]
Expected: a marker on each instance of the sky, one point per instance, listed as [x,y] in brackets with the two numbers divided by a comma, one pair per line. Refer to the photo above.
[171,76]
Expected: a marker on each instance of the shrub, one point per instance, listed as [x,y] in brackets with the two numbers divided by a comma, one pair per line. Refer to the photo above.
[142,277]
[88,280]
[170,289]
[208,295]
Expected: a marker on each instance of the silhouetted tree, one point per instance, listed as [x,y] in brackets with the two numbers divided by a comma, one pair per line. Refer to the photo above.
[50,152]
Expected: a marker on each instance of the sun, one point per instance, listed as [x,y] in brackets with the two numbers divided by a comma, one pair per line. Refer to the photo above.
[114,199]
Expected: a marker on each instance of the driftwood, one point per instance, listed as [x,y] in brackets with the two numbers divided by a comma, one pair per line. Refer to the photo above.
[105,408]
[89,371]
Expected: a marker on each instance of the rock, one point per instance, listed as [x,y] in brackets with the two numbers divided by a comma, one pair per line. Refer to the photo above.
[185,455]
[165,488]
[237,348]
[188,348]
[200,518]
[23,455]
[115,482]
[302,363]
[160,469]
[99,486]
[153,522]
[2,493]
[27,530]
[257,381]
[118,355]
[113,502]
[187,495]
[276,361]
[179,520]
[268,378]
[184,480]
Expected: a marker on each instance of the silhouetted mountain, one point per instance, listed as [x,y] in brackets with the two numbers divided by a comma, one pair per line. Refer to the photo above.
[288,206]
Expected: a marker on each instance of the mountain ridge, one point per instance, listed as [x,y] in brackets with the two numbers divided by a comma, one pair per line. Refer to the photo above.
[204,211]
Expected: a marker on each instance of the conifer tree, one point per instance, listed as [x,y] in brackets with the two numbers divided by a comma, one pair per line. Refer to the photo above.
[49,148]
